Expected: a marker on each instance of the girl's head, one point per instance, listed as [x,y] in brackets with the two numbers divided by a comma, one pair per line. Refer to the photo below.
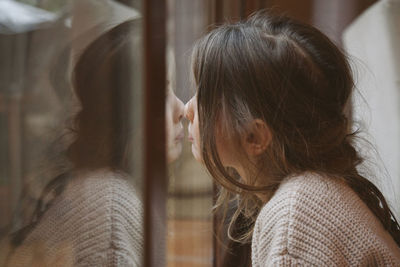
[271,94]
[270,102]
[107,77]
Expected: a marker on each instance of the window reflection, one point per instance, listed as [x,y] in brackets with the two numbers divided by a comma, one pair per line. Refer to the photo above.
[71,104]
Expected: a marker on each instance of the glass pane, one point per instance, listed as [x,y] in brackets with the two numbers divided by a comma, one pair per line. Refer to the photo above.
[71,133]
[190,192]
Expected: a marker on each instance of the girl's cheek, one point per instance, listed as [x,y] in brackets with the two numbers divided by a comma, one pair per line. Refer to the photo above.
[196,131]
[227,152]
[196,140]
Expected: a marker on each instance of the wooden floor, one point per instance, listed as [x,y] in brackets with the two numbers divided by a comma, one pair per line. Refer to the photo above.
[189,243]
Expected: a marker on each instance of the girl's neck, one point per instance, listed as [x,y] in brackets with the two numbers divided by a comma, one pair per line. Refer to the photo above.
[244,178]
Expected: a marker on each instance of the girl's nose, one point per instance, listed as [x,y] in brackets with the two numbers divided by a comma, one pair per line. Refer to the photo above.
[180,109]
[189,110]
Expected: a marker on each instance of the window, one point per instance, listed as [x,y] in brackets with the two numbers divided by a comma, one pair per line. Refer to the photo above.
[41,101]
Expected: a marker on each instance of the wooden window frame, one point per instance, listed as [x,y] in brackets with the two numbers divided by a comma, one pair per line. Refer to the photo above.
[155,172]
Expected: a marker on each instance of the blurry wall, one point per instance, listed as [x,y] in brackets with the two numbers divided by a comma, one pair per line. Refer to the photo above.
[373,41]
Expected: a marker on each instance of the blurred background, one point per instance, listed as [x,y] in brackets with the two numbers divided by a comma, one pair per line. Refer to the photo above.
[40,39]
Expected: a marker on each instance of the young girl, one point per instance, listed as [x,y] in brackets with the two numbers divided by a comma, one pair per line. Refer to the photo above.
[91,214]
[268,122]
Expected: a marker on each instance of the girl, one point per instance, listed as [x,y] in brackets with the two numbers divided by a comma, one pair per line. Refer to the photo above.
[269,123]
[90,214]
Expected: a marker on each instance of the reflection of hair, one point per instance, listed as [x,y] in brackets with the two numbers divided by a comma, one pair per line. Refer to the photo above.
[102,129]
[295,79]
[102,83]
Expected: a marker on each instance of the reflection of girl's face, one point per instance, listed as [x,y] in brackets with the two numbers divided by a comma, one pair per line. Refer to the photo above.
[175,134]
[194,134]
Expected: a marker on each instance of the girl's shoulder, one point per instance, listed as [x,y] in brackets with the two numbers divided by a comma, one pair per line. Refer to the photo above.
[97,218]
[94,198]
[311,217]
[103,177]
[102,184]
[312,191]
[104,191]
[316,199]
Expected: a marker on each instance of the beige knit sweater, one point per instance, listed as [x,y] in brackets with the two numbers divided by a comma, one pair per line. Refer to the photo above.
[96,221]
[314,221]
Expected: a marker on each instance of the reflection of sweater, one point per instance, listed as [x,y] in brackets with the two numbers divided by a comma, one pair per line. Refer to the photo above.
[97,221]
[313,221]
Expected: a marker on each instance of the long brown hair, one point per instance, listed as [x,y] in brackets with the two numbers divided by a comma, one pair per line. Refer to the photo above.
[291,76]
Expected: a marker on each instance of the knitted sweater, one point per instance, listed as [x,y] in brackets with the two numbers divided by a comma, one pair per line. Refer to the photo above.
[315,221]
[96,221]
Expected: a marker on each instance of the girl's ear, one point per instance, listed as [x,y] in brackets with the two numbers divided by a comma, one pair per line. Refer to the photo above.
[257,138]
